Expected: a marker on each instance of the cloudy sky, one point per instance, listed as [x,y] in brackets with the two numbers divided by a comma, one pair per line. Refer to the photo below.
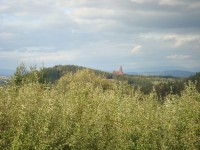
[140,35]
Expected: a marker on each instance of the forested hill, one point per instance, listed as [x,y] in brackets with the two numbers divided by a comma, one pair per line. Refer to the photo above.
[146,83]
[54,73]
[161,85]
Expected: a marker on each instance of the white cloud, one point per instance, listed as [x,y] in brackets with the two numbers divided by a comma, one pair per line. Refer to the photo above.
[154,13]
[93,12]
[6,35]
[3,8]
[161,2]
[33,54]
[59,56]
[7,54]
[150,36]
[36,49]
[95,18]
[138,1]
[136,49]
[81,26]
[195,5]
[180,40]
[179,57]
[172,2]
[177,40]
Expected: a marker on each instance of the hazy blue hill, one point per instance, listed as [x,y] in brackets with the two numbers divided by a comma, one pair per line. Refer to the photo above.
[6,72]
[133,73]
[173,73]
[176,73]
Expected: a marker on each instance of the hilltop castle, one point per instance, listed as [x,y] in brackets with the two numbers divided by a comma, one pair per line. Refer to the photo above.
[120,72]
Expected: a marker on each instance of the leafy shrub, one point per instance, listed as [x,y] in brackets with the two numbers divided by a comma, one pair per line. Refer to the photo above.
[86,111]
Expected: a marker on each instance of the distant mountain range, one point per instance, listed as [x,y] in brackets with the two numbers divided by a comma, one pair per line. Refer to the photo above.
[6,72]
[173,73]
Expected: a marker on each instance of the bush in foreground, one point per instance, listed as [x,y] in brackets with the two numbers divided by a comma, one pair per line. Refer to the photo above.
[85,111]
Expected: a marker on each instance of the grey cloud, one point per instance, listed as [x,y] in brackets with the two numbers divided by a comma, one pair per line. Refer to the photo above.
[97,30]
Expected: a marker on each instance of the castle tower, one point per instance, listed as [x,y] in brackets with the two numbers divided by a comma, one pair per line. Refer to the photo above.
[121,70]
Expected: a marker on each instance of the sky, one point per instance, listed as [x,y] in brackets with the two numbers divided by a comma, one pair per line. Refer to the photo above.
[140,35]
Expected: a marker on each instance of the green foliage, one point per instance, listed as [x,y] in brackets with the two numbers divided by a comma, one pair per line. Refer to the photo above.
[86,111]
[196,78]
[176,86]
[56,72]
[23,75]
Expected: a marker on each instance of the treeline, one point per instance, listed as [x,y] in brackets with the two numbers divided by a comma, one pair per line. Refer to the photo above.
[161,85]
[52,74]
[176,86]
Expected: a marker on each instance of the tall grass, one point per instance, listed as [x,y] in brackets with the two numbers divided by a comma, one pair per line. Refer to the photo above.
[85,111]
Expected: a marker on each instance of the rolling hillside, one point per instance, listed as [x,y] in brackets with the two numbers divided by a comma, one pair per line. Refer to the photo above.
[146,83]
